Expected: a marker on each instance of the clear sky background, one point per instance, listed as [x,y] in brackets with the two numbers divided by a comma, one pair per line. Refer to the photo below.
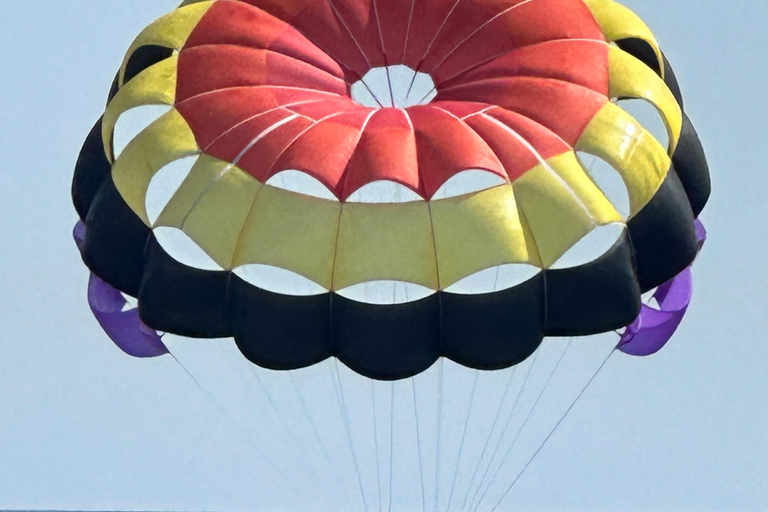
[84,427]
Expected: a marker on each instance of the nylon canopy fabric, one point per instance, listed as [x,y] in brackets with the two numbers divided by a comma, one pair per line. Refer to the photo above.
[255,93]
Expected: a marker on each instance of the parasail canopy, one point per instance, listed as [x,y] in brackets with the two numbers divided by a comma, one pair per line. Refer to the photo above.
[390,182]
[418,190]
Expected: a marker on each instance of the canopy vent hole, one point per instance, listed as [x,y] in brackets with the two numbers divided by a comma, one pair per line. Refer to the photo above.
[394,87]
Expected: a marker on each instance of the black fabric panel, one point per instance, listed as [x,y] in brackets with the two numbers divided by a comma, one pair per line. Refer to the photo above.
[114,88]
[144,57]
[663,235]
[115,240]
[180,299]
[642,51]
[671,80]
[494,330]
[387,342]
[280,332]
[691,166]
[600,296]
[91,170]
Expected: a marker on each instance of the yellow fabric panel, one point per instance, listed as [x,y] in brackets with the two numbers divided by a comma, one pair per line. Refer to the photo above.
[291,231]
[190,2]
[155,85]
[630,78]
[619,139]
[199,179]
[555,215]
[617,22]
[530,241]
[575,177]
[170,31]
[219,215]
[477,231]
[164,141]
[385,242]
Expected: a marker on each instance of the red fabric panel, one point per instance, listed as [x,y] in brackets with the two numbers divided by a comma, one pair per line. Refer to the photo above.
[530,23]
[340,134]
[466,19]
[361,19]
[428,18]
[318,21]
[461,109]
[237,66]
[264,80]
[516,157]
[546,142]
[322,109]
[564,108]
[395,21]
[258,160]
[229,147]
[446,146]
[578,61]
[386,151]
[239,24]
[211,115]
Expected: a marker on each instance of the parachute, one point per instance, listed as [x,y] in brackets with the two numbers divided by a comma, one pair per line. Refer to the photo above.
[397,190]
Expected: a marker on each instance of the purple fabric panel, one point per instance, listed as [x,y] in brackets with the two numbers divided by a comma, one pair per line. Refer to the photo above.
[125,328]
[103,298]
[79,235]
[652,336]
[676,294]
[701,232]
[654,327]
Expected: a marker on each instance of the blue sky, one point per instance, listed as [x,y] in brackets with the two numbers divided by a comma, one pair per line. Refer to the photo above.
[84,427]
